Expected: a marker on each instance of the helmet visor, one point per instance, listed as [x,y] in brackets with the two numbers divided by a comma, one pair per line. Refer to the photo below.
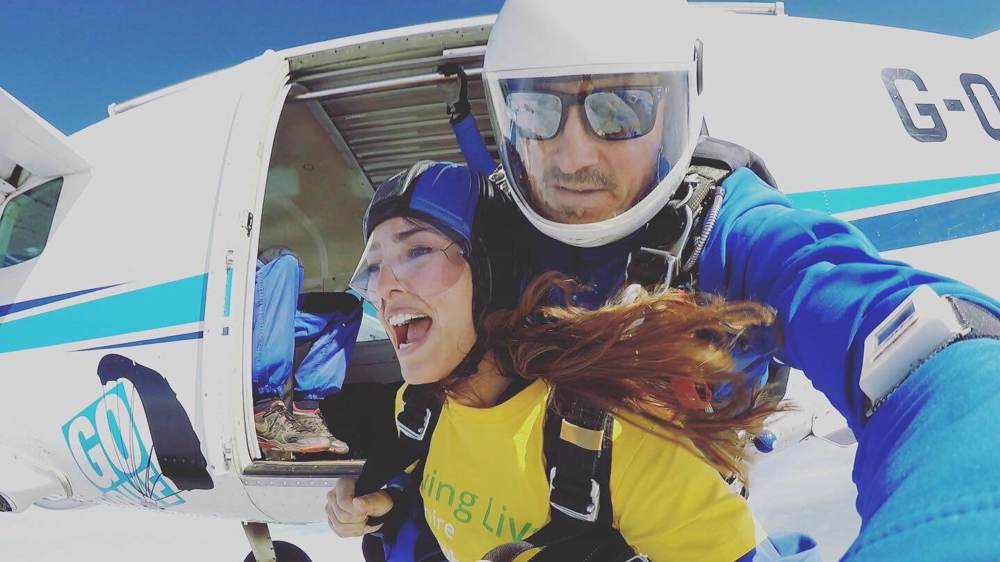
[407,254]
[585,148]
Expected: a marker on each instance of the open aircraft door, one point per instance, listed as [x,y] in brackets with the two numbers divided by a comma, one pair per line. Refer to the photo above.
[357,111]
[238,109]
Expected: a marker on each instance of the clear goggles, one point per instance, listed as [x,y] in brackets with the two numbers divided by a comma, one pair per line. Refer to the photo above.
[410,255]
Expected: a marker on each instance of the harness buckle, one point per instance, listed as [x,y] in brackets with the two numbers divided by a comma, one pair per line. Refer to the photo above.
[418,434]
[499,178]
[592,510]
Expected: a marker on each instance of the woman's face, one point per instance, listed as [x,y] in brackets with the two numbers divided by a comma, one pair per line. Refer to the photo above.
[422,288]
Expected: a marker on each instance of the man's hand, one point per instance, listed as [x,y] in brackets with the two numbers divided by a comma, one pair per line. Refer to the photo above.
[457,93]
[347,515]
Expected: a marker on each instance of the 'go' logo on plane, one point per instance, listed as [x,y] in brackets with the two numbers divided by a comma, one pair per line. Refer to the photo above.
[108,446]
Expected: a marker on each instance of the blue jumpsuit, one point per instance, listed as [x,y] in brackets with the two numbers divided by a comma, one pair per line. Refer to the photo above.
[928,459]
[923,470]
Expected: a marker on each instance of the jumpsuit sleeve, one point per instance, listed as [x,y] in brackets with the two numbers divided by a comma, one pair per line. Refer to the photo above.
[826,281]
[472,145]
[927,459]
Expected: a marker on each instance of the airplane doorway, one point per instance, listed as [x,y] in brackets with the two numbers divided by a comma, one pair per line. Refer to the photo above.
[315,196]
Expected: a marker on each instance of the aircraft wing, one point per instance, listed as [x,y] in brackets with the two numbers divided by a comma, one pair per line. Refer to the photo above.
[30,146]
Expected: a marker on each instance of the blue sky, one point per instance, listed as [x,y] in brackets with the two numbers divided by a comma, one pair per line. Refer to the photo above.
[68,60]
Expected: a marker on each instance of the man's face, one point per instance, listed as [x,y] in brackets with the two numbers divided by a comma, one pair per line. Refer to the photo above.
[577,177]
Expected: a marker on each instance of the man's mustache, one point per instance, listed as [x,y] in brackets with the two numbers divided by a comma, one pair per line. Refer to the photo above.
[586,176]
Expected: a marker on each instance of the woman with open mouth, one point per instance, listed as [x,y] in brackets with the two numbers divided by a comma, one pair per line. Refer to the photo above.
[509,404]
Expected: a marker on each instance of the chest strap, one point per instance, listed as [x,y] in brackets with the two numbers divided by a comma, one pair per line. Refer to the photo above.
[670,243]
[577,448]
[415,424]
[576,445]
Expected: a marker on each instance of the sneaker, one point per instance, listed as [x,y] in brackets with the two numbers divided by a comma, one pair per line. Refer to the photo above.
[278,430]
[313,422]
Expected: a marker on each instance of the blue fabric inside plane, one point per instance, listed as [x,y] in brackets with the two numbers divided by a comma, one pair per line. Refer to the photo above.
[282,323]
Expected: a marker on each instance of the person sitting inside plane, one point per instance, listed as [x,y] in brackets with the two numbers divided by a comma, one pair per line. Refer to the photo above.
[612,401]
[286,324]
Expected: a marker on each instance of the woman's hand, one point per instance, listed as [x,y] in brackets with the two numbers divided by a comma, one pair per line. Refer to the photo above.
[347,515]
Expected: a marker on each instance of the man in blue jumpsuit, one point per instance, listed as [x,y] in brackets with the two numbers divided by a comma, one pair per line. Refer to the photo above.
[596,127]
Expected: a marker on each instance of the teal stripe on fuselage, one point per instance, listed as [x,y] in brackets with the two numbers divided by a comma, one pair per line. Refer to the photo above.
[160,306]
[845,199]
[229,293]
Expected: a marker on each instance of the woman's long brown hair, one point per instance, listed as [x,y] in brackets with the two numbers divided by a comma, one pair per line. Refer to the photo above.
[631,357]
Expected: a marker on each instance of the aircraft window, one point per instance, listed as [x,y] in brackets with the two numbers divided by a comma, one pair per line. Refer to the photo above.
[26,222]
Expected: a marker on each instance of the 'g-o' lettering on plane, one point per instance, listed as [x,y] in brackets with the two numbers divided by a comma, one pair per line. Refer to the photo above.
[969,83]
[923,121]
[936,132]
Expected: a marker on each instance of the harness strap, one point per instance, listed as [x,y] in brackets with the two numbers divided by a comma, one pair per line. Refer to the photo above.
[577,444]
[684,224]
[607,546]
[980,322]
[415,424]
[667,238]
[577,447]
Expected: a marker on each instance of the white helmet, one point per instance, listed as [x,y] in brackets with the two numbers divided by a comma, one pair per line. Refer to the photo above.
[595,110]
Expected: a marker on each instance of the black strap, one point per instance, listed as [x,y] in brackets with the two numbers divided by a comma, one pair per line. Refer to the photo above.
[580,515]
[669,243]
[415,424]
[980,322]
[574,470]
[717,153]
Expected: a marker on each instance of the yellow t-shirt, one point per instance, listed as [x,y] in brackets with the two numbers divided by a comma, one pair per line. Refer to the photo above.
[484,484]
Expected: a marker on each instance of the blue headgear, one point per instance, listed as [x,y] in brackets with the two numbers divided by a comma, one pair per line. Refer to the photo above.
[466,207]
[441,193]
